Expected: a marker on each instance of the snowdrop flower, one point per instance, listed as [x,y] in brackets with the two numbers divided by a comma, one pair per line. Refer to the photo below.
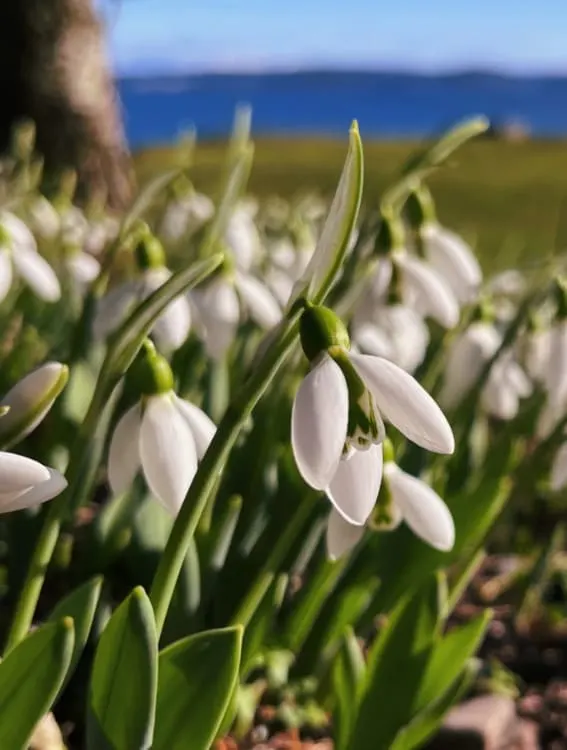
[243,238]
[397,333]
[446,252]
[18,252]
[30,400]
[506,385]
[25,483]
[466,360]
[99,233]
[418,284]
[402,498]
[555,380]
[43,218]
[82,267]
[163,435]
[172,327]
[337,416]
[74,226]
[184,215]
[221,302]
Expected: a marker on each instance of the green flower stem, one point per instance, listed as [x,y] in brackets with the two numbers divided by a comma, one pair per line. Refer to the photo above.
[212,465]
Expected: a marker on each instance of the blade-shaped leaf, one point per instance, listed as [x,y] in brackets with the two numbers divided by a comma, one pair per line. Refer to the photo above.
[449,657]
[396,665]
[80,605]
[429,720]
[124,679]
[337,231]
[347,675]
[31,676]
[197,676]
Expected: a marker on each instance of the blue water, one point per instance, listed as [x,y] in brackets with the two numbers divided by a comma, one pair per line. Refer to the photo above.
[386,105]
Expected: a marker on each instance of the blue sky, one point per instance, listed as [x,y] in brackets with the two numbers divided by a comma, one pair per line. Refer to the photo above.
[148,36]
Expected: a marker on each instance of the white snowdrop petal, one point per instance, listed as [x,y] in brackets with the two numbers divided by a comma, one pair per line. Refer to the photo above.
[341,536]
[453,260]
[172,327]
[319,421]
[19,232]
[498,398]
[556,378]
[19,473]
[124,452]
[354,487]
[422,509]
[202,426]
[558,477]
[261,304]
[427,291]
[40,493]
[372,340]
[83,267]
[37,273]
[167,451]
[5,274]
[404,403]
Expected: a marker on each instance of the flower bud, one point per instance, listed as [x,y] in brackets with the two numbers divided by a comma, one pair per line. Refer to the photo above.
[150,372]
[30,400]
[320,330]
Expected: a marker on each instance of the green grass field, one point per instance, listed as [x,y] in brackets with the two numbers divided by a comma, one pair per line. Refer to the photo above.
[510,197]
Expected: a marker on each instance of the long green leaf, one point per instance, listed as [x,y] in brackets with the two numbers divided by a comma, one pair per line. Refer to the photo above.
[347,677]
[197,677]
[124,679]
[396,665]
[429,720]
[31,676]
[337,231]
[80,605]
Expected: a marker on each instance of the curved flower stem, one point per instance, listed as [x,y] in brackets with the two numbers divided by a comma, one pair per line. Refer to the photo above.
[212,465]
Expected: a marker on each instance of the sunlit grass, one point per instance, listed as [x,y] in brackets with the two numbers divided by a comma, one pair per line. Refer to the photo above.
[511,198]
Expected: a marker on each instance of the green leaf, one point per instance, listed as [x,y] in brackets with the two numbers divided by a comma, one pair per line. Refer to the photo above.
[31,676]
[124,679]
[396,665]
[334,241]
[426,723]
[128,339]
[261,623]
[449,657]
[347,675]
[80,605]
[197,676]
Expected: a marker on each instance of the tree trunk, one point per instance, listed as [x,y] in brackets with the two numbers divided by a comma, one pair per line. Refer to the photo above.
[54,71]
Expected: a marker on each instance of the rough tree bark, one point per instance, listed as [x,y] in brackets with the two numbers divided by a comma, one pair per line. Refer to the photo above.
[53,69]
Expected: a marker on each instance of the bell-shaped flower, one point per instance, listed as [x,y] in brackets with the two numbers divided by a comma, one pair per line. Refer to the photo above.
[43,218]
[535,353]
[338,411]
[466,360]
[25,483]
[396,332]
[184,215]
[100,232]
[19,256]
[555,379]
[454,261]
[402,497]
[172,327]
[446,252]
[29,401]
[243,238]
[506,385]
[162,435]
[83,268]
[223,301]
